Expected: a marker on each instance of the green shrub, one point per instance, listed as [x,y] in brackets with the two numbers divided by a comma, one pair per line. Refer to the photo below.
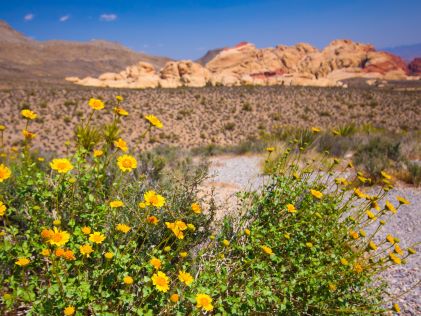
[414,170]
[375,156]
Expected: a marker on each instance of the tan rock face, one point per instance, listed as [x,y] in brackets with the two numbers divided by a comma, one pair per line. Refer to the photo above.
[301,64]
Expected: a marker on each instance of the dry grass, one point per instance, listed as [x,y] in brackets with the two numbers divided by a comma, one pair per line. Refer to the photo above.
[216,116]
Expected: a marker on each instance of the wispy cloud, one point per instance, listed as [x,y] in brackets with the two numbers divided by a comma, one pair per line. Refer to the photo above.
[64,18]
[28,17]
[108,17]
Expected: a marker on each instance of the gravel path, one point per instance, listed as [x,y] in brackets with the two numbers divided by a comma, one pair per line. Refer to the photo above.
[232,174]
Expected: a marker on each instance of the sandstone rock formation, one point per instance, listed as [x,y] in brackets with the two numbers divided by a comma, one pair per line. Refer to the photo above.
[244,64]
[414,67]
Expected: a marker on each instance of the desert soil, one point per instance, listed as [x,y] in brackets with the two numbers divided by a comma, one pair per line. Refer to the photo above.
[230,174]
[212,115]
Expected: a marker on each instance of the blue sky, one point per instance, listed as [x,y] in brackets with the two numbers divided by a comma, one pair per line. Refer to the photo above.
[188,28]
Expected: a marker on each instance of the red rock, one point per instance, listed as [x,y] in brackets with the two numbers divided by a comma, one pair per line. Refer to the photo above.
[414,67]
[383,62]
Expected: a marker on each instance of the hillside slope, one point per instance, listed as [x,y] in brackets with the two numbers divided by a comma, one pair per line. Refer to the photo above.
[24,58]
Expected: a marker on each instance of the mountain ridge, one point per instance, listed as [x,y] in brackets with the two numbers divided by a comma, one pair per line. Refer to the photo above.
[25,58]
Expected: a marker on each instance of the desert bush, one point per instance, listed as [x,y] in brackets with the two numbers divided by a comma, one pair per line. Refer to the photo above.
[300,247]
[375,156]
[414,171]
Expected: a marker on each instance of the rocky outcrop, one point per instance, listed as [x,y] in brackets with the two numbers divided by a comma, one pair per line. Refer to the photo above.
[244,64]
[414,67]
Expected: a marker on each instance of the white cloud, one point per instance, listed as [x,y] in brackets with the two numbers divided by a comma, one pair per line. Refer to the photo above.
[64,18]
[28,17]
[108,17]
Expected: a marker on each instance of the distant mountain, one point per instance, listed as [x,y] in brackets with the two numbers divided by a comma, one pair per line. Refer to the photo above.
[24,58]
[210,54]
[406,52]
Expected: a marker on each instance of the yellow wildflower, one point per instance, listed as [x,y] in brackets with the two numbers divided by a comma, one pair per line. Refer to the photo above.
[152,220]
[120,111]
[358,268]
[120,143]
[196,208]
[28,114]
[119,98]
[359,193]
[96,237]
[396,308]
[28,135]
[370,215]
[291,208]
[22,261]
[332,287]
[390,207]
[58,237]
[395,258]
[309,245]
[316,194]
[386,175]
[174,298]
[247,232]
[69,255]
[123,228]
[57,222]
[267,250]
[398,250]
[185,277]
[183,254]
[142,205]
[128,280]
[108,255]
[156,263]
[116,203]
[69,311]
[270,149]
[152,198]
[45,252]
[177,228]
[126,163]
[153,120]
[98,153]
[46,233]
[191,227]
[96,104]
[341,181]
[390,238]
[372,245]
[354,234]
[344,261]
[3,209]
[5,173]
[204,301]
[161,281]
[86,250]
[315,130]
[226,243]
[61,165]
[402,200]
[86,230]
